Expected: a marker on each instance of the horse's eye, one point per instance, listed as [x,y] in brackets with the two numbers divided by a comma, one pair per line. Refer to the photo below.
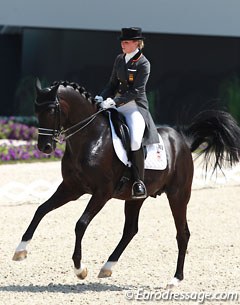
[51,111]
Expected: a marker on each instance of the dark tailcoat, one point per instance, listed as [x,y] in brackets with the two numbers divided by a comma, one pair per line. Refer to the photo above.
[127,83]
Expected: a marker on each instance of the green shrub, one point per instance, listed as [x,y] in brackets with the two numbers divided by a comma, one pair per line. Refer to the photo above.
[230,95]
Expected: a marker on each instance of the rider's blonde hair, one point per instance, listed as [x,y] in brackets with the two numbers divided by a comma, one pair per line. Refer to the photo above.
[140,44]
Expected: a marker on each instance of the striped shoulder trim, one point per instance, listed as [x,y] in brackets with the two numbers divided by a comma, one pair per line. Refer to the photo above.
[137,59]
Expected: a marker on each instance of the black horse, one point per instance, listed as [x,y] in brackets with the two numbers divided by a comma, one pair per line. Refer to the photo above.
[90,165]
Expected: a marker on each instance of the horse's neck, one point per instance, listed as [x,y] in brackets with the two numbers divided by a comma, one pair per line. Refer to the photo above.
[90,131]
[76,113]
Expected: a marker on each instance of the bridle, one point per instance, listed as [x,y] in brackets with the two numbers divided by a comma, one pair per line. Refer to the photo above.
[58,133]
[57,118]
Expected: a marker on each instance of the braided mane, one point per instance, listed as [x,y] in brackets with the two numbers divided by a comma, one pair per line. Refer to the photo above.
[77,87]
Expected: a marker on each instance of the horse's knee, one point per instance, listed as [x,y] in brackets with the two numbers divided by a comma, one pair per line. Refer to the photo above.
[188,234]
[81,225]
[134,232]
[41,210]
[131,232]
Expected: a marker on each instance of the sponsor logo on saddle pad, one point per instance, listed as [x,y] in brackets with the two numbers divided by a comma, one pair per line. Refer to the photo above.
[156,155]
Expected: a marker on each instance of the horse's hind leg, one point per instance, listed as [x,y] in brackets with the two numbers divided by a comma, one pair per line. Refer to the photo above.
[178,203]
[58,199]
[132,209]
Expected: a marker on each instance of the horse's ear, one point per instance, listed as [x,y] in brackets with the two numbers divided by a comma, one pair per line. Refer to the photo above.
[38,85]
[54,89]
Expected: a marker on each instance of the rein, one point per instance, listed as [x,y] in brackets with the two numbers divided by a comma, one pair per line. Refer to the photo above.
[58,134]
[82,124]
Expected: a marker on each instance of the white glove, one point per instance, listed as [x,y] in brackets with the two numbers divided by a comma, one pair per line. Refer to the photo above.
[108,103]
[98,99]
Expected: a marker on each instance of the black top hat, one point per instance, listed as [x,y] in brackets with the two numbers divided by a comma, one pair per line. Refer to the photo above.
[131,34]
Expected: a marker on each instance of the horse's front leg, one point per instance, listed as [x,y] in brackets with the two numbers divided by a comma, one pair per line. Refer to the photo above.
[132,209]
[95,204]
[62,195]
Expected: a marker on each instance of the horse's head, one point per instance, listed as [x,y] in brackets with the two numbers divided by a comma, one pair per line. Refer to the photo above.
[63,110]
[47,109]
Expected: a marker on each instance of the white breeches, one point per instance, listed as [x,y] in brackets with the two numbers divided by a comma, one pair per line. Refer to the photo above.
[135,122]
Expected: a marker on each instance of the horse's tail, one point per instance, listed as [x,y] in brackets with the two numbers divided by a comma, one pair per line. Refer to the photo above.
[215,133]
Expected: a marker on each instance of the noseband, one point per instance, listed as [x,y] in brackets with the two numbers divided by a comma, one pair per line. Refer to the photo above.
[59,134]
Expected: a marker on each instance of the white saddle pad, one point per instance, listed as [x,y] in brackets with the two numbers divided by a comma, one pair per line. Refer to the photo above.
[156,155]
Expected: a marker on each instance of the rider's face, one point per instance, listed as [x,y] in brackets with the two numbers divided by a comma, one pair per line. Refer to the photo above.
[128,46]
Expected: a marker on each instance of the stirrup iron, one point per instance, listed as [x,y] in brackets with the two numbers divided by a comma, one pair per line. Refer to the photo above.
[142,193]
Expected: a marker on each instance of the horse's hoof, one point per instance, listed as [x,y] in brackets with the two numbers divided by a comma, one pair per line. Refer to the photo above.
[19,255]
[81,273]
[173,283]
[104,273]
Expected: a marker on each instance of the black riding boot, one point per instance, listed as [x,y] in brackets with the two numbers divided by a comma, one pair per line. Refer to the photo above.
[138,188]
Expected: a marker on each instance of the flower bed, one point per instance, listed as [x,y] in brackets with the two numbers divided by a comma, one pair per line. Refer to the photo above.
[10,129]
[18,143]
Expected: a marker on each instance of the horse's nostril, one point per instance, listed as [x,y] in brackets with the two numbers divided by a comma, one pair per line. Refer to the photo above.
[48,148]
